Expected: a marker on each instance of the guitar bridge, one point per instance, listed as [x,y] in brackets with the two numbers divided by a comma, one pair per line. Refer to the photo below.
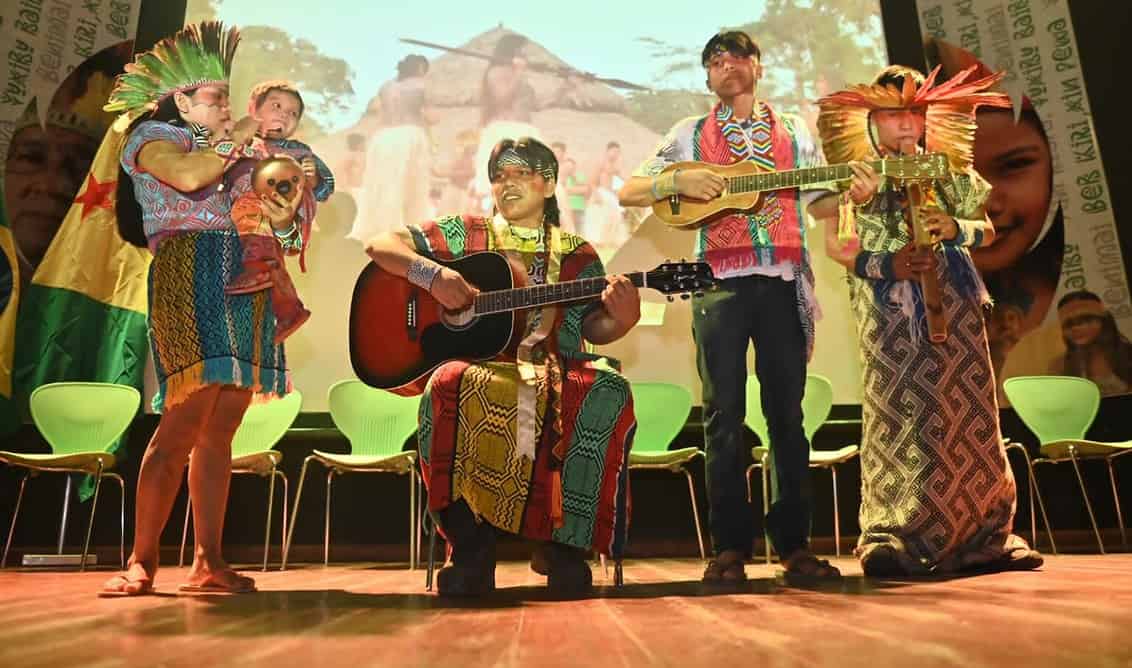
[674,204]
[411,316]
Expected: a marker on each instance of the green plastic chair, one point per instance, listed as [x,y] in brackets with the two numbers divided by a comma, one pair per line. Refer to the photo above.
[662,410]
[1059,410]
[80,421]
[264,425]
[376,423]
[817,402]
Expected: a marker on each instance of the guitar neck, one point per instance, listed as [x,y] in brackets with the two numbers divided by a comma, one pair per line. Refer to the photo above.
[794,178]
[533,296]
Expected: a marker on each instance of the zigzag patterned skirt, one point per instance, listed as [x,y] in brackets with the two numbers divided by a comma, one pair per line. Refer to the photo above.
[935,482]
[468,451]
[201,336]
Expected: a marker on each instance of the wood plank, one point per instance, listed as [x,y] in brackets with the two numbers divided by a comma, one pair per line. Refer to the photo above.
[1076,612]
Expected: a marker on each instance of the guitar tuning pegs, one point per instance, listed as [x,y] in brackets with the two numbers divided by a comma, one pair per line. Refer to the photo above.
[698,293]
[670,299]
[685,296]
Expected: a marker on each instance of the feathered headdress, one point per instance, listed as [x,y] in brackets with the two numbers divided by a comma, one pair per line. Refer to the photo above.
[198,55]
[949,115]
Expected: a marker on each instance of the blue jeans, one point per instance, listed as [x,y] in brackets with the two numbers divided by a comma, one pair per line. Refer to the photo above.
[764,311]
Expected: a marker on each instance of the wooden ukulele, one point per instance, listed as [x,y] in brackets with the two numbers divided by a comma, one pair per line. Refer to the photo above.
[747,185]
[399,333]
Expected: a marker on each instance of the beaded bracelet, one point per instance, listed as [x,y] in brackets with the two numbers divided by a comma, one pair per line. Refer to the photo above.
[422,273]
[877,266]
[970,233]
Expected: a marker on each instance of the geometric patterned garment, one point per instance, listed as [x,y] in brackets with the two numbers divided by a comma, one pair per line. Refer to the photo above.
[468,416]
[936,484]
[166,210]
[771,241]
[202,336]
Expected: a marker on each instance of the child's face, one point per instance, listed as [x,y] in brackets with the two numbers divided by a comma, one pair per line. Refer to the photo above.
[897,126]
[1015,159]
[279,114]
[1082,330]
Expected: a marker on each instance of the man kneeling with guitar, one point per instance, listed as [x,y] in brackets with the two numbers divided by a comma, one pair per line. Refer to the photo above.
[537,446]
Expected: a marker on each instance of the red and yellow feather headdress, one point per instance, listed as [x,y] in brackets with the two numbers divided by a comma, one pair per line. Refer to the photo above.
[949,109]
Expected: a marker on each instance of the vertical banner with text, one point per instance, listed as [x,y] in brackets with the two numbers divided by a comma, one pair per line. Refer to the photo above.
[1056,271]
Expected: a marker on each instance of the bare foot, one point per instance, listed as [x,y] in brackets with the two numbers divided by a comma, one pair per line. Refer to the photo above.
[135,581]
[217,579]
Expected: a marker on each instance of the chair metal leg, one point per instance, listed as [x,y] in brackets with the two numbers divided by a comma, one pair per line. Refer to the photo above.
[295,513]
[284,517]
[431,553]
[412,521]
[1116,500]
[15,514]
[1035,494]
[66,509]
[695,512]
[1085,493]
[421,507]
[121,519]
[93,508]
[326,533]
[836,514]
[185,528]
[750,468]
[267,524]
[766,506]
[1007,446]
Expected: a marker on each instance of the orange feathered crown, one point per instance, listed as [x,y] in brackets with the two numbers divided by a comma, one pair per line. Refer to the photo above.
[843,122]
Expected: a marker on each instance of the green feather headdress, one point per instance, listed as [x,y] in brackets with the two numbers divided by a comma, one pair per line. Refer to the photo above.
[198,55]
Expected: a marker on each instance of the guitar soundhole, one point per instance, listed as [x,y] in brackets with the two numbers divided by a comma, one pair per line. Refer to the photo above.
[457,320]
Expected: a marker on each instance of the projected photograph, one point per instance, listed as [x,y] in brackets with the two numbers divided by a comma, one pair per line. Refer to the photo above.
[404,103]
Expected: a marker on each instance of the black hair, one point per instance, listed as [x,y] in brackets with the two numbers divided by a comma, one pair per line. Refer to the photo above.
[735,42]
[508,48]
[1114,346]
[894,75]
[283,89]
[410,65]
[540,157]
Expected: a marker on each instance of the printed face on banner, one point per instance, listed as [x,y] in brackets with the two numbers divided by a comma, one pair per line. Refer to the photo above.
[42,173]
[1015,159]
[1055,272]
[46,165]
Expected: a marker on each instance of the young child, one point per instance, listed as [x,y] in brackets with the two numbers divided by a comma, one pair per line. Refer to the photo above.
[278,107]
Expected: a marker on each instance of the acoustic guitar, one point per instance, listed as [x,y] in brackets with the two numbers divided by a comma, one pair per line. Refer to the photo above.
[747,185]
[399,333]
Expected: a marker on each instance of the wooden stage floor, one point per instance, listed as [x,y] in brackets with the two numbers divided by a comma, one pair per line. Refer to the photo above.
[1077,612]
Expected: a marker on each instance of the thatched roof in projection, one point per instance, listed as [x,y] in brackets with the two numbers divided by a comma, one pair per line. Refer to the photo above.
[455,80]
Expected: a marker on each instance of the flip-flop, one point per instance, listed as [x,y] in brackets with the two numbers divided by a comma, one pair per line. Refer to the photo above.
[213,588]
[125,582]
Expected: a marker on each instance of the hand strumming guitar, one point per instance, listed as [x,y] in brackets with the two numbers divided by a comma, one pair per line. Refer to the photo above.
[702,184]
[452,291]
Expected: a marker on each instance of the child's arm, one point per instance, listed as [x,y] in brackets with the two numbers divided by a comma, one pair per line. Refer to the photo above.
[320,179]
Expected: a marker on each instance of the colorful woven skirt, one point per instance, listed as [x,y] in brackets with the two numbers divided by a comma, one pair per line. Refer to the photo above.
[468,451]
[201,336]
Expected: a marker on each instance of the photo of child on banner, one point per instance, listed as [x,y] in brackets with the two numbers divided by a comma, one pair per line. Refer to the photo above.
[1023,267]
